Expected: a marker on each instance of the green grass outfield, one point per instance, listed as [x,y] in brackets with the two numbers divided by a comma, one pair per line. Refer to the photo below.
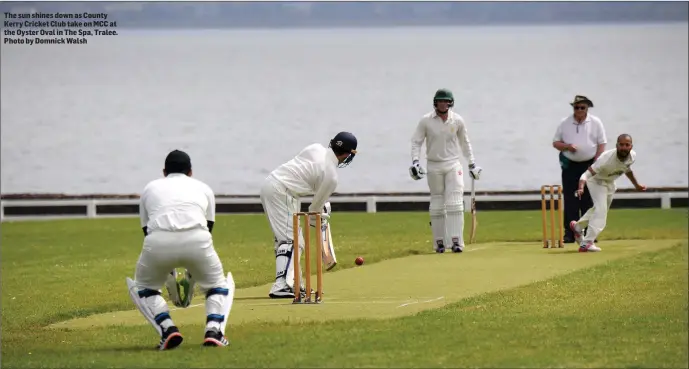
[506,302]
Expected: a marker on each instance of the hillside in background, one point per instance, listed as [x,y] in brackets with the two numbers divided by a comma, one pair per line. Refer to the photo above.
[324,14]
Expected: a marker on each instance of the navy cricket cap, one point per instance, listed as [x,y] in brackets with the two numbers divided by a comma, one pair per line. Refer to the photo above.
[177,161]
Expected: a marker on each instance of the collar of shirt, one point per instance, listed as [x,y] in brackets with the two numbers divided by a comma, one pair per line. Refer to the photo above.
[449,116]
[173,175]
[586,120]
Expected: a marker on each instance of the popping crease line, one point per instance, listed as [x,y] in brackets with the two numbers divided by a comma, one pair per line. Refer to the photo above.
[421,302]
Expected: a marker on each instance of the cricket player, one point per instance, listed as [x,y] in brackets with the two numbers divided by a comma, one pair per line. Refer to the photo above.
[600,180]
[445,134]
[580,139]
[177,217]
[311,172]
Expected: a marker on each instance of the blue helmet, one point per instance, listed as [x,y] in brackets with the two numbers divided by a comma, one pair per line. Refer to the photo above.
[344,143]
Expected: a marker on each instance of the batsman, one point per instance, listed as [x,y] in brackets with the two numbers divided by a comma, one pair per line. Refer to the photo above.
[311,172]
[446,137]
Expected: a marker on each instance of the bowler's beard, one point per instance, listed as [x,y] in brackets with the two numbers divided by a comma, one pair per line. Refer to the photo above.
[622,154]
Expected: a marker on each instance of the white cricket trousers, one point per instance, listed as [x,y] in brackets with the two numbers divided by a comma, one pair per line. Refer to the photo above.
[192,249]
[596,217]
[446,185]
[279,205]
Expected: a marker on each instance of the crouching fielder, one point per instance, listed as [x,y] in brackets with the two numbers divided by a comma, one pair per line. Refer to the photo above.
[177,215]
[311,172]
[600,180]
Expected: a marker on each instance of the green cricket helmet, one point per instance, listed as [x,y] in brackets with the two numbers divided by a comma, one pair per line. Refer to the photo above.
[444,94]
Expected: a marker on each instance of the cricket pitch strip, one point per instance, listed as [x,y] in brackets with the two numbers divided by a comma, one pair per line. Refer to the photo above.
[398,287]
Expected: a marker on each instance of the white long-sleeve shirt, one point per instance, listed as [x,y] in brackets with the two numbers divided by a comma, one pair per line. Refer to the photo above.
[176,203]
[312,172]
[443,139]
[609,168]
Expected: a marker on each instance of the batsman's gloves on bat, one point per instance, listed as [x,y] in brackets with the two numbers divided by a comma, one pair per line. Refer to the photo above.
[475,171]
[326,208]
[416,171]
[324,220]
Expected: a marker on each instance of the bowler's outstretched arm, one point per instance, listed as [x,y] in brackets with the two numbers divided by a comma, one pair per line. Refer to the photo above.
[632,178]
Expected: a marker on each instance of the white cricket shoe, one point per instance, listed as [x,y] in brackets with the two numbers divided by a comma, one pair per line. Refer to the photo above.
[589,247]
[576,231]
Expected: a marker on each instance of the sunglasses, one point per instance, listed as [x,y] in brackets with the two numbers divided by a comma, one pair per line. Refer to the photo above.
[581,107]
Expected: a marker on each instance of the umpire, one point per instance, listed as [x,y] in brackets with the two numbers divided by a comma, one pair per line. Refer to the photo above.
[580,139]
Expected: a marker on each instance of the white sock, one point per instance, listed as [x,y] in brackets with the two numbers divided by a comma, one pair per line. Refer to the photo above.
[211,325]
[167,323]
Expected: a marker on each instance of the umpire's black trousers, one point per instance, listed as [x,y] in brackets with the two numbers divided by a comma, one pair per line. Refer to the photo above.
[575,208]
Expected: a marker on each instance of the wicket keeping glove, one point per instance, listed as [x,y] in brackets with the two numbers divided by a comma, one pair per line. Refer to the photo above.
[172,287]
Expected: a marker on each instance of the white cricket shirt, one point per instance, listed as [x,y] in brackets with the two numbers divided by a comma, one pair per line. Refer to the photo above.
[444,140]
[176,203]
[608,166]
[312,171]
[586,136]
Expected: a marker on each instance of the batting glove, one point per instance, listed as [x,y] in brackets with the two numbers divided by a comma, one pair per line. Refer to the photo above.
[324,220]
[416,171]
[475,171]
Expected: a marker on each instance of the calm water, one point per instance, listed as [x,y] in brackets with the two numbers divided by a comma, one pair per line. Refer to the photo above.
[102,117]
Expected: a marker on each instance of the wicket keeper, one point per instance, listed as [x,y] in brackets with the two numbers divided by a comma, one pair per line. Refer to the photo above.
[177,216]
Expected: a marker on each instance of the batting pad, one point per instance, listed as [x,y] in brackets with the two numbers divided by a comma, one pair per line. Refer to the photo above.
[455,216]
[143,307]
[227,305]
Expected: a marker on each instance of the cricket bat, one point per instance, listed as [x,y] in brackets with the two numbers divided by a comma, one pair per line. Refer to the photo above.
[329,258]
[474,221]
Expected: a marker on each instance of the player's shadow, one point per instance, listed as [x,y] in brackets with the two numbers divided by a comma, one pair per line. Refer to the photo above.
[565,252]
[132,348]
